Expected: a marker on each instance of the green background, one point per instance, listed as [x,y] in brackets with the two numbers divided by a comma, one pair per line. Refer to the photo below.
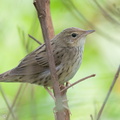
[101,57]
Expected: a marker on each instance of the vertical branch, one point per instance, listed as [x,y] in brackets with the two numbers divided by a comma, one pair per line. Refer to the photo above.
[65,102]
[43,9]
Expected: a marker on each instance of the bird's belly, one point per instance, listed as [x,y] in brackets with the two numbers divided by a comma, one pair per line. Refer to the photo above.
[65,73]
[73,71]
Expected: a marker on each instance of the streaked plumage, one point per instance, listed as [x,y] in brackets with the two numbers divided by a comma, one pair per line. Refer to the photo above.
[67,49]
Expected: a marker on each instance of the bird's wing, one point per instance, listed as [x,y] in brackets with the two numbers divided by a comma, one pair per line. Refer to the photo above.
[35,62]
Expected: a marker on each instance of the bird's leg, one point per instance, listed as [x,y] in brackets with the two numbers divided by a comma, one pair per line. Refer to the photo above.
[67,84]
[50,92]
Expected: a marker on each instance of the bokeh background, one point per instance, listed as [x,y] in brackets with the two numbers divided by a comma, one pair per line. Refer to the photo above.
[101,57]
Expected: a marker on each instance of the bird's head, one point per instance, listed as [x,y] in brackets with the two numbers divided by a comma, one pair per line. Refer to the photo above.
[72,37]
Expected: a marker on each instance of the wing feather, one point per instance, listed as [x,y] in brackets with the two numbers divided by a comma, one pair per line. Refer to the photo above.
[37,62]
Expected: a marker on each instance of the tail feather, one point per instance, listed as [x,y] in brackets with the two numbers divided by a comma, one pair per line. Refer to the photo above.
[6,77]
[1,77]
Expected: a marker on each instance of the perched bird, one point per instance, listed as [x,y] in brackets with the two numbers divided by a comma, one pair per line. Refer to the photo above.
[67,49]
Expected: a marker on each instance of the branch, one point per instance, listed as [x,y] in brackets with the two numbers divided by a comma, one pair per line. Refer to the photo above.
[34,39]
[43,10]
[5,99]
[14,101]
[91,117]
[108,94]
[93,75]
[105,14]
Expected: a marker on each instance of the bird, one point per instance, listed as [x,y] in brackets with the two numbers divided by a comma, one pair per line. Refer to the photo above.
[67,48]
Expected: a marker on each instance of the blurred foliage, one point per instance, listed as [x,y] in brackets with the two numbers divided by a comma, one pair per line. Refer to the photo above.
[101,56]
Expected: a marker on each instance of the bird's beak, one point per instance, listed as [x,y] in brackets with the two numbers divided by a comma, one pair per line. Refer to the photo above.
[88,32]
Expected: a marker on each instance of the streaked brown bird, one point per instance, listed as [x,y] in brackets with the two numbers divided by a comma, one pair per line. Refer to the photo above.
[67,49]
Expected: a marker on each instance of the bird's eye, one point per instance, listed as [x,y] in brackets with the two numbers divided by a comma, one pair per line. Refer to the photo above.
[74,34]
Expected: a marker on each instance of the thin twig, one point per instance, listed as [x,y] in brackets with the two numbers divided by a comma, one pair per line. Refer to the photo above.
[91,117]
[5,99]
[50,92]
[93,75]
[108,94]
[23,92]
[76,13]
[35,39]
[106,15]
[33,104]
[15,99]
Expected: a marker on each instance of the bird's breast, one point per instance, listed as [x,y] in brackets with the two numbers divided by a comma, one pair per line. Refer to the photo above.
[70,64]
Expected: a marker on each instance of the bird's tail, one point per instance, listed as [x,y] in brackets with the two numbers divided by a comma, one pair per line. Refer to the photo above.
[6,77]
